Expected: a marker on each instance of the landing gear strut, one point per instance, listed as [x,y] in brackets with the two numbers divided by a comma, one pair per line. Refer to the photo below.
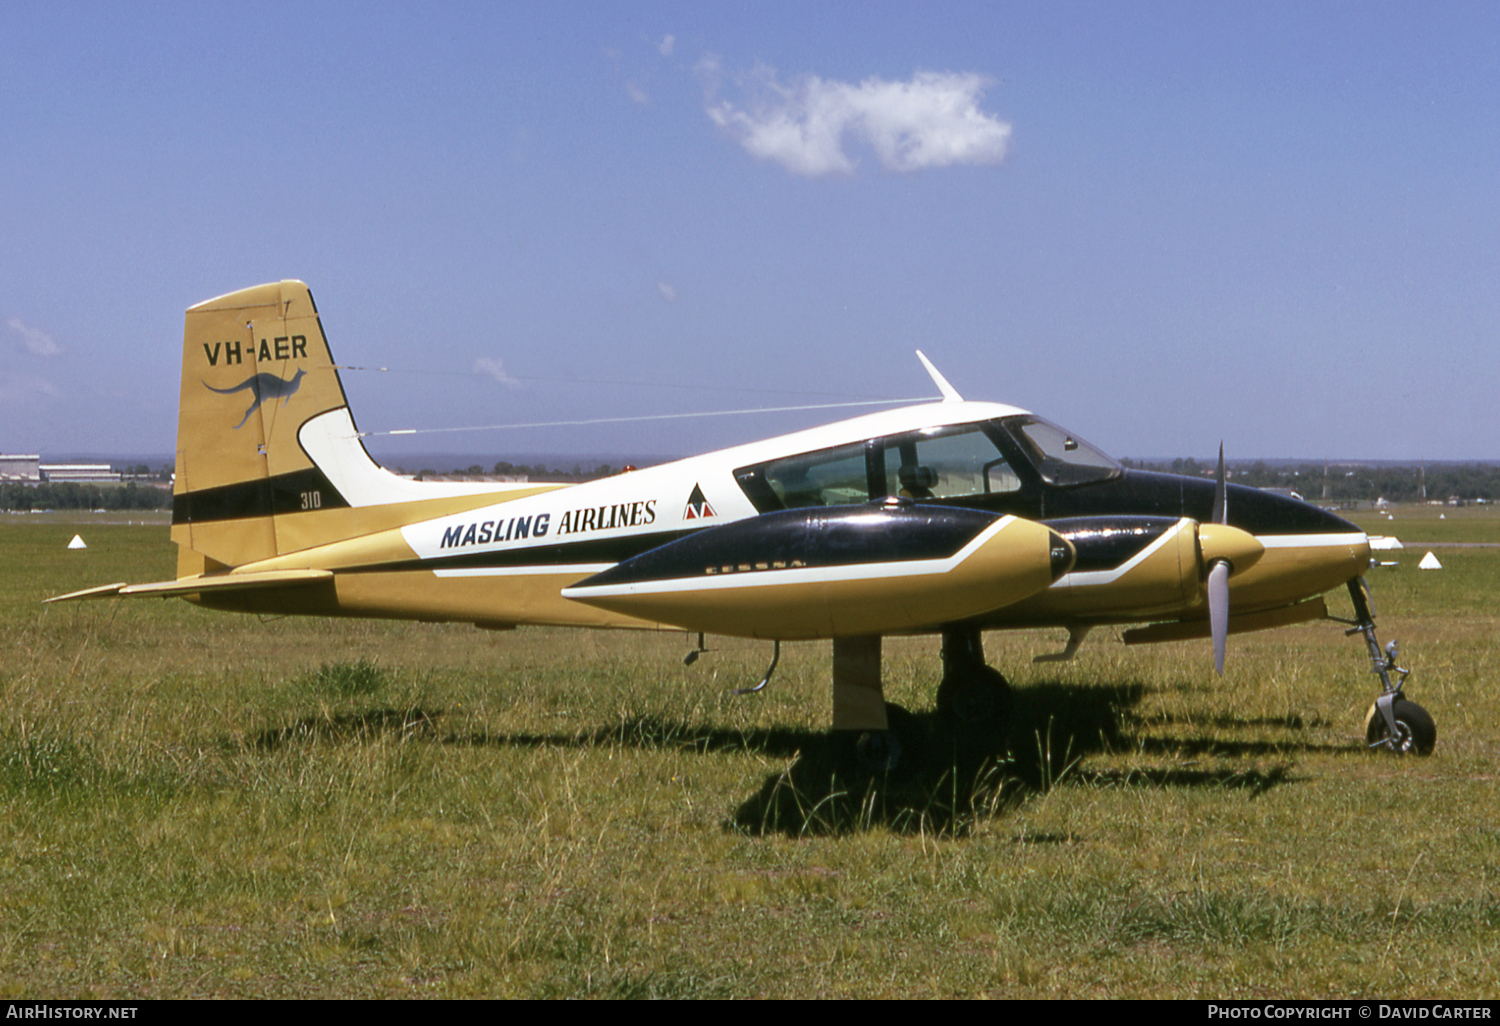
[1394,723]
[877,741]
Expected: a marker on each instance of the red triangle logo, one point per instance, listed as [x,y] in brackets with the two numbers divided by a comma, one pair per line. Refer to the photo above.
[697,505]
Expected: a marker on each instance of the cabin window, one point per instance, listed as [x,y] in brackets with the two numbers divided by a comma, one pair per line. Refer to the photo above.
[946,463]
[957,461]
[829,477]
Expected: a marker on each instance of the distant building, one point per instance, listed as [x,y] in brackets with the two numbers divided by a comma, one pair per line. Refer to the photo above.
[79,472]
[20,468]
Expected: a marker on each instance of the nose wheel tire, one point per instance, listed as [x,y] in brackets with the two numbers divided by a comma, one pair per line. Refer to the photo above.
[1416,734]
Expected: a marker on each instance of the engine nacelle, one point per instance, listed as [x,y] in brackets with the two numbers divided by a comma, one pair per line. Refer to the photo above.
[887,567]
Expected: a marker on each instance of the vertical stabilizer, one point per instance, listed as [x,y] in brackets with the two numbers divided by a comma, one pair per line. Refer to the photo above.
[255,368]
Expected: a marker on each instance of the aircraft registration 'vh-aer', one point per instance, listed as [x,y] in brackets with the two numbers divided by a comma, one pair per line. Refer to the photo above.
[947,518]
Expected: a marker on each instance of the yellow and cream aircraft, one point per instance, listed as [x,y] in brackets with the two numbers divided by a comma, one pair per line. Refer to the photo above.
[948,518]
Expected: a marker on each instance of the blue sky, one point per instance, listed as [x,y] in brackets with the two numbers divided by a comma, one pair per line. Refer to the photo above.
[1157,224]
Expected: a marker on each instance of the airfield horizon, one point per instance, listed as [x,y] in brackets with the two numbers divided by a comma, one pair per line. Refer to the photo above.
[452,458]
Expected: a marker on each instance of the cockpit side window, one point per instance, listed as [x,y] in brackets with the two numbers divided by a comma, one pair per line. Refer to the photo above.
[1061,458]
[946,463]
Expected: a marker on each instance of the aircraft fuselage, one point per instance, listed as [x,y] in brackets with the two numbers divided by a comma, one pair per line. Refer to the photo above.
[510,560]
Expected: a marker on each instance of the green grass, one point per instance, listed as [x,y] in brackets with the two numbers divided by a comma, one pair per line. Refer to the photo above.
[196,804]
[1433,525]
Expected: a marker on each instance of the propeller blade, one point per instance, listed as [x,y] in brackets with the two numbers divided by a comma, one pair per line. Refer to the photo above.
[1221,492]
[1218,610]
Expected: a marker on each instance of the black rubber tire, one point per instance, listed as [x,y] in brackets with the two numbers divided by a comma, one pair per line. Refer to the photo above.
[886,755]
[1418,732]
[976,698]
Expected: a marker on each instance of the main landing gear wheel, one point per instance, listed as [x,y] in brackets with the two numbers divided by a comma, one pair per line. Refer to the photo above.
[975,699]
[885,756]
[973,702]
[1416,734]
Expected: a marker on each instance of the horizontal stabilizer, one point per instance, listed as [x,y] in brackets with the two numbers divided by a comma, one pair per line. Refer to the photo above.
[102,591]
[218,583]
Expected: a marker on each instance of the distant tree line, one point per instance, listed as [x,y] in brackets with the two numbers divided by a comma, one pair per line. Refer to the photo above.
[74,495]
[537,472]
[132,495]
[1345,483]
[1353,482]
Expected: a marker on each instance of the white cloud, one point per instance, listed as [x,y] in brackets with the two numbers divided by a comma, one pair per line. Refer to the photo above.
[668,291]
[665,46]
[496,370]
[637,94]
[933,120]
[38,342]
[709,68]
[25,388]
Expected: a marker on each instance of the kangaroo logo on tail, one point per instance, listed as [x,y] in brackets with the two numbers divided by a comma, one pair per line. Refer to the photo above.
[263,387]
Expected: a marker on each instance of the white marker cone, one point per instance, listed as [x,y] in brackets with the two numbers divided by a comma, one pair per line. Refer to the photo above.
[77,542]
[1429,562]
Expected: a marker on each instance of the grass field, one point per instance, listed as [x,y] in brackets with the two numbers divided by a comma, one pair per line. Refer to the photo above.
[196,804]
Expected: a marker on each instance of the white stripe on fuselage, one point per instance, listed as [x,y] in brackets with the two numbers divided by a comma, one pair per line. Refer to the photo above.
[1093,578]
[580,569]
[1311,541]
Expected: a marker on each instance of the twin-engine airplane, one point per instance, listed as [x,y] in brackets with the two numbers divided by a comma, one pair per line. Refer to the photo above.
[948,518]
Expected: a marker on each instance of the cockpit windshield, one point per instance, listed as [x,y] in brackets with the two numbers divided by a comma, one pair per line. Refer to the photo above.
[1061,458]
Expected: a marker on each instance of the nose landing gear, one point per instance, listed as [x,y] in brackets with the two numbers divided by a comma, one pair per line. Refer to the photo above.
[1394,723]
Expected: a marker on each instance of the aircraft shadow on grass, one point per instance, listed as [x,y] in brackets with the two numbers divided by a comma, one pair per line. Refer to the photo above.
[1054,727]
